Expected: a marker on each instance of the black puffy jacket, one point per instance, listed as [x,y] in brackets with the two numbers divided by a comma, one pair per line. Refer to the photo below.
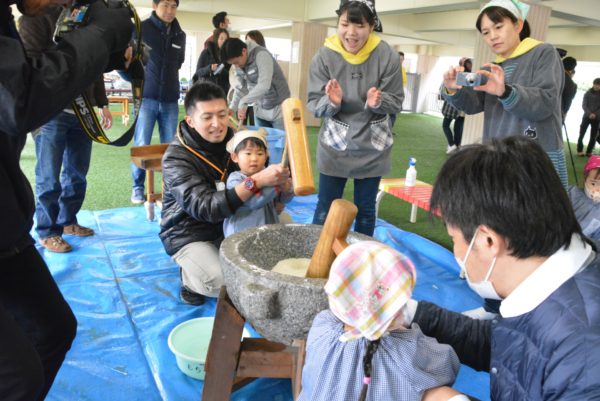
[193,209]
[203,69]
[33,92]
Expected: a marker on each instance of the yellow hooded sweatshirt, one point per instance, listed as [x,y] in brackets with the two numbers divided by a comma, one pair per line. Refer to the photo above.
[526,45]
[335,43]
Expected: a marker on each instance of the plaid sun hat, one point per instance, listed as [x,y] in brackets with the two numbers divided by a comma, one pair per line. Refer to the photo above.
[369,285]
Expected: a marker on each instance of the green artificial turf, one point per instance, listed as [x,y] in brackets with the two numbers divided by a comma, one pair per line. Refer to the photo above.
[419,136]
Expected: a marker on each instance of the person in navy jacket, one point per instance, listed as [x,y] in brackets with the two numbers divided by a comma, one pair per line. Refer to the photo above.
[161,90]
[517,237]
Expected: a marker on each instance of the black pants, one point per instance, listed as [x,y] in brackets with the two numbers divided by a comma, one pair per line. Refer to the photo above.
[582,129]
[249,121]
[458,130]
[37,327]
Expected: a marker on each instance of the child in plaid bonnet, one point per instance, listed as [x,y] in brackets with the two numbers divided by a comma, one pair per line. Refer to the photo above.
[359,350]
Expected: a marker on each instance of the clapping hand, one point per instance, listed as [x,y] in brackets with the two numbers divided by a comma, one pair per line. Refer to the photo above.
[373,97]
[334,93]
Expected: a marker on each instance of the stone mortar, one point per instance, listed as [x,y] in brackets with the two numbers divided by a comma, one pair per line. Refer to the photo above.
[279,307]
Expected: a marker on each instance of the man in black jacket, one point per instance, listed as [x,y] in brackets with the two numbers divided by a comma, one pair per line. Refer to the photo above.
[570,89]
[195,168]
[518,241]
[161,89]
[37,326]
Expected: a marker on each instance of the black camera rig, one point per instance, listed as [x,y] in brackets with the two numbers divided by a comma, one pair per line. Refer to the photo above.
[77,16]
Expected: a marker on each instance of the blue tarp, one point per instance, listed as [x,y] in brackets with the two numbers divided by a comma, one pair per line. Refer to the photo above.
[124,291]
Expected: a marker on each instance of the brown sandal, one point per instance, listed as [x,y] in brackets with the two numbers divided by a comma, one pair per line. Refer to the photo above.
[580,154]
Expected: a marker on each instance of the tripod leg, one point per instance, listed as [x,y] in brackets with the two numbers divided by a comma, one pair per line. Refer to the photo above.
[571,153]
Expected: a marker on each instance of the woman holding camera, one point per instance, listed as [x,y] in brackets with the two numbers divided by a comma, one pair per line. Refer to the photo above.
[523,92]
[209,62]
[354,82]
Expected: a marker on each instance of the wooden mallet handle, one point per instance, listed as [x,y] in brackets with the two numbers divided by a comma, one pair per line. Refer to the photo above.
[337,226]
[297,146]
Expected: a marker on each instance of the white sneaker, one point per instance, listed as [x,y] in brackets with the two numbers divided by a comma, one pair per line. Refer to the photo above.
[480,314]
[451,149]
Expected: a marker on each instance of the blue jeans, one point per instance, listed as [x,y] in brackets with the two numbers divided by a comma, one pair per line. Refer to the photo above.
[458,130]
[365,195]
[393,120]
[63,142]
[152,111]
[277,124]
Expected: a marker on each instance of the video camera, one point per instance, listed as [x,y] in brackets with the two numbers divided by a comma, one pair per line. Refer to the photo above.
[77,16]
[472,79]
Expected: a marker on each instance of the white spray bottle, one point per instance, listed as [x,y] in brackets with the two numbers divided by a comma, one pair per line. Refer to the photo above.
[411,173]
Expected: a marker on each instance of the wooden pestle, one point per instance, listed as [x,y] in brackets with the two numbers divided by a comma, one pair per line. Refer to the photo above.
[297,147]
[337,226]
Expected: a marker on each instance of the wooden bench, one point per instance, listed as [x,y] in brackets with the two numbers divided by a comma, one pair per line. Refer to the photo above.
[418,195]
[149,158]
[124,101]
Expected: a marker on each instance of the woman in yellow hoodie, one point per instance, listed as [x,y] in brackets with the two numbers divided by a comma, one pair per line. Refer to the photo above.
[522,96]
[355,82]
[523,93]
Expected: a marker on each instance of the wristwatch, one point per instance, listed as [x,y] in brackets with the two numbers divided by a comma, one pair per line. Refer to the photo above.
[250,185]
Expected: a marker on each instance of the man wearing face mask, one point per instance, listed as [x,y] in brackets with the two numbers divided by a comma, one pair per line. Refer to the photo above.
[37,326]
[519,242]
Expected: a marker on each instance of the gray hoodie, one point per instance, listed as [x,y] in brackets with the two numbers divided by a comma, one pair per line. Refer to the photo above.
[354,141]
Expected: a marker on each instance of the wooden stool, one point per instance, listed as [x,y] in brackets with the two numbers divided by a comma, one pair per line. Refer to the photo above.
[149,158]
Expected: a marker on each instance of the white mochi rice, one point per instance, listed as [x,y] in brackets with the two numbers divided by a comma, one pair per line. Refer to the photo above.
[292,267]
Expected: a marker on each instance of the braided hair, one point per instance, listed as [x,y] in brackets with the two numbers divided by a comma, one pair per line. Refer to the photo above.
[372,347]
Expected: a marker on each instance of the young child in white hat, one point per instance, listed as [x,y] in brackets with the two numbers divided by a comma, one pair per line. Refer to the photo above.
[249,149]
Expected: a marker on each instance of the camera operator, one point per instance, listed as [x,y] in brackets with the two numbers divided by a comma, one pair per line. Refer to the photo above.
[524,83]
[62,141]
[37,326]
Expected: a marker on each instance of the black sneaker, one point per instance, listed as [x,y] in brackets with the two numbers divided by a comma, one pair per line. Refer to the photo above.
[191,298]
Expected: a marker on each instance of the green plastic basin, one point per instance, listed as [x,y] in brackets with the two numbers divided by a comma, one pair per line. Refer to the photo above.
[189,342]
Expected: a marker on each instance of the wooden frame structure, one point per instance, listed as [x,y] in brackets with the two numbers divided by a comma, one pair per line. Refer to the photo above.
[232,364]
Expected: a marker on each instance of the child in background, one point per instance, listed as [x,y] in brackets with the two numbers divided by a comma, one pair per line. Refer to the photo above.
[359,350]
[586,201]
[250,151]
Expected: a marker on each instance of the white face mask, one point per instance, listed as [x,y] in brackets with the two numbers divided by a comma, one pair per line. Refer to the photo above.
[484,288]
[593,195]
[229,28]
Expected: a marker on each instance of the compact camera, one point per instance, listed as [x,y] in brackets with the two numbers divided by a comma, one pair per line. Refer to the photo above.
[77,16]
[472,79]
